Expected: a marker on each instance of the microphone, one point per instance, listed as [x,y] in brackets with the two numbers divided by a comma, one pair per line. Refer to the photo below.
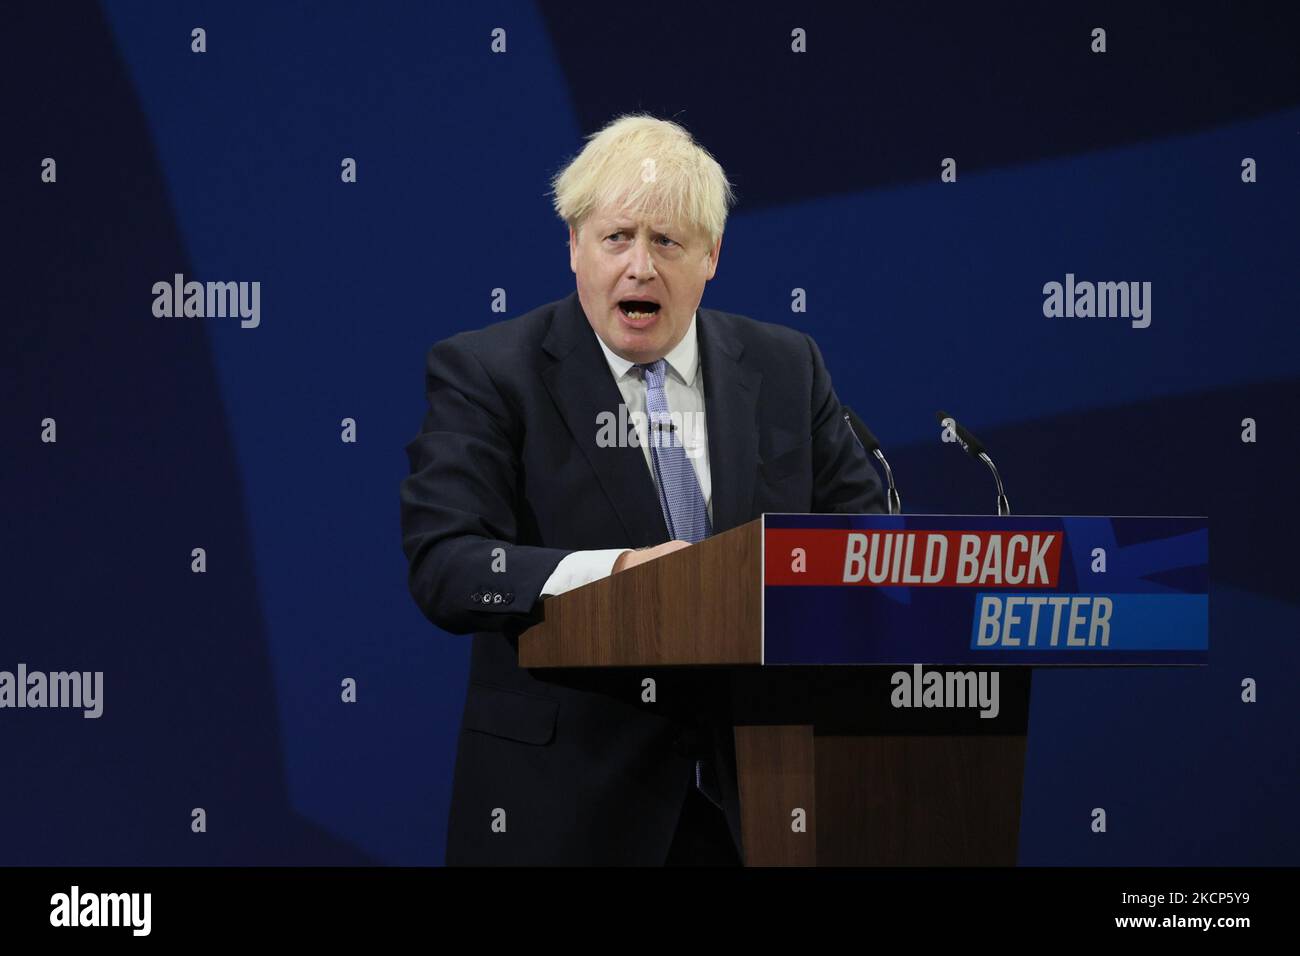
[975,448]
[872,447]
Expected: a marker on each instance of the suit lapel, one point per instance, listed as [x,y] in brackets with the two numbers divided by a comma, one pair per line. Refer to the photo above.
[583,389]
[731,401]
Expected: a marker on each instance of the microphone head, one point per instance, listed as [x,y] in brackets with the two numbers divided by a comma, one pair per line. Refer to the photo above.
[973,446]
[859,427]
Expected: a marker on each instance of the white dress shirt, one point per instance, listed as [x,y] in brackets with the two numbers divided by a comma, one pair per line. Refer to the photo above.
[684,391]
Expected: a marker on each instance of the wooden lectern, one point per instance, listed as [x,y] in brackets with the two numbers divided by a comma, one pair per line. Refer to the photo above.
[877,785]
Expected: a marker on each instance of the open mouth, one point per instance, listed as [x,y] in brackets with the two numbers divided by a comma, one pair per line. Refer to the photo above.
[637,309]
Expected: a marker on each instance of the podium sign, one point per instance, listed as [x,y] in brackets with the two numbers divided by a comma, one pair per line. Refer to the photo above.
[997,591]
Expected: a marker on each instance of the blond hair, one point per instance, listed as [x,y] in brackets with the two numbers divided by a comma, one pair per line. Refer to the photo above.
[646,165]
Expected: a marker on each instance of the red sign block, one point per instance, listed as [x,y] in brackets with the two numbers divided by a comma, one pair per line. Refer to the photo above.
[977,559]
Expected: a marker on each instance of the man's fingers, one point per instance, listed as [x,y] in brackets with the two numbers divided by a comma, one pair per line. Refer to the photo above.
[630,559]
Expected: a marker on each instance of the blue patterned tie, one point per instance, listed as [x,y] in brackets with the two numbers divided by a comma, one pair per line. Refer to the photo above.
[680,497]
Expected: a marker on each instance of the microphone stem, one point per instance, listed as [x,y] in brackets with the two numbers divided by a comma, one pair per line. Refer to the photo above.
[1004,507]
[895,502]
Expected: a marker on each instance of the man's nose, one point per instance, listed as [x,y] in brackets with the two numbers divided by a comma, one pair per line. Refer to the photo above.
[642,265]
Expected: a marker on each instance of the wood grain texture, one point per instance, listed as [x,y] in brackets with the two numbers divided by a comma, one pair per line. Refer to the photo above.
[775,767]
[922,800]
[700,605]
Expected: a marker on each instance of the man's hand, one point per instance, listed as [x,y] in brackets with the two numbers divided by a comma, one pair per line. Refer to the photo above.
[630,559]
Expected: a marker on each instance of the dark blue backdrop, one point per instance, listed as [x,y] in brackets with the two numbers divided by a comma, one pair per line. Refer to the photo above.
[222,689]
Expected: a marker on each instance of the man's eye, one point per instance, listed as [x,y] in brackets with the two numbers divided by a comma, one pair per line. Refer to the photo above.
[666,239]
[613,234]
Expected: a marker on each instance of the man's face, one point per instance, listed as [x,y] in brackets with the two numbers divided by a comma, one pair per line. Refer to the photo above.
[640,282]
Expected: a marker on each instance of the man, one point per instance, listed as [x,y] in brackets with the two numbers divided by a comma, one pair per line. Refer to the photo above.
[517,493]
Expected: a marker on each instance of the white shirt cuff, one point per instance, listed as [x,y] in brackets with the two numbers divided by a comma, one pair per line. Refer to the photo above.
[579,568]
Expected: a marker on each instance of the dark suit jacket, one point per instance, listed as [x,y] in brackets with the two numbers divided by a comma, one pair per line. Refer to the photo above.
[585,772]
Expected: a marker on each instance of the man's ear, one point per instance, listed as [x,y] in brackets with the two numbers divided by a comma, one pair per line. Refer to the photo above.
[573,251]
[713,257]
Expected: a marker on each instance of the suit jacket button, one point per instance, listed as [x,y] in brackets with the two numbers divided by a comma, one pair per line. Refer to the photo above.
[476,597]
[487,598]
[508,597]
[496,597]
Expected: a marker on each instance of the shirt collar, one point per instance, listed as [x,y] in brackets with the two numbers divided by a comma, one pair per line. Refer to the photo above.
[684,359]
